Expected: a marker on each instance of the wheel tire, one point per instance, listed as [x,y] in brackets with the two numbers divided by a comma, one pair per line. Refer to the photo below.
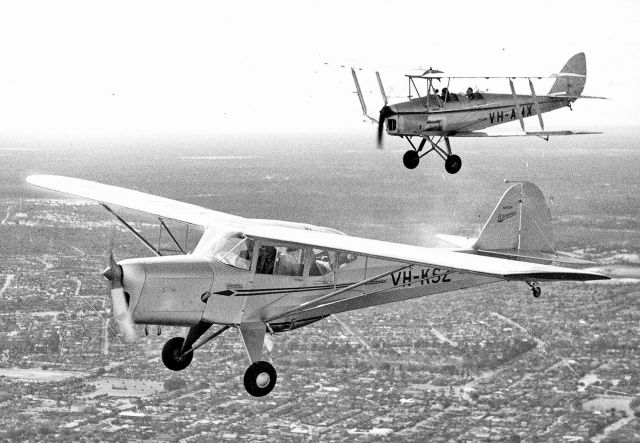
[452,164]
[537,292]
[411,159]
[260,378]
[171,352]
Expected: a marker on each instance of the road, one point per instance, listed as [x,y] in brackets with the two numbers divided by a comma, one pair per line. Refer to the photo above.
[7,282]
[4,220]
[541,343]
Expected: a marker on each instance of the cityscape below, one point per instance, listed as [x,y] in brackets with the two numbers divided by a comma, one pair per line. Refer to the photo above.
[484,364]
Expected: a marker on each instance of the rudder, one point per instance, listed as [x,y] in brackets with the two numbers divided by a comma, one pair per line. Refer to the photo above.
[572,85]
[521,222]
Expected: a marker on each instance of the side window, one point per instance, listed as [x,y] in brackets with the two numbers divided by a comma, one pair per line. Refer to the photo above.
[280,260]
[324,261]
[320,264]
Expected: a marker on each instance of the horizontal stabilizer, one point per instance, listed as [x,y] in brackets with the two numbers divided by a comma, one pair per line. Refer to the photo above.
[575,97]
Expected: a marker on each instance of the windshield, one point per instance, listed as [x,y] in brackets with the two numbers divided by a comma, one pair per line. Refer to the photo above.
[236,251]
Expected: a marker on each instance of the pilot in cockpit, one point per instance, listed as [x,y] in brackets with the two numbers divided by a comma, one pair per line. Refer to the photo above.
[470,95]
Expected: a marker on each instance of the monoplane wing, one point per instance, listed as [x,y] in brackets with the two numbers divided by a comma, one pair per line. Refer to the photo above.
[130,199]
[435,257]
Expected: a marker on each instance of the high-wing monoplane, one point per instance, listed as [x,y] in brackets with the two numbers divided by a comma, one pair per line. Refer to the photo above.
[266,277]
[434,116]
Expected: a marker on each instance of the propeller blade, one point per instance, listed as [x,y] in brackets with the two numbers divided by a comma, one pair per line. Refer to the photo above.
[122,315]
[118,300]
[380,131]
[385,112]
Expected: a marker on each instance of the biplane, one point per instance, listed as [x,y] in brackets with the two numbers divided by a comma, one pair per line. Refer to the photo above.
[434,116]
[265,277]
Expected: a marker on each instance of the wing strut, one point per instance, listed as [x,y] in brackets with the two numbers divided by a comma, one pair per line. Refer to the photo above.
[315,302]
[515,103]
[359,92]
[164,225]
[536,104]
[133,231]
[384,95]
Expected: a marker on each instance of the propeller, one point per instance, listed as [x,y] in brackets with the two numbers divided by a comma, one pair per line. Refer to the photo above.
[118,299]
[385,113]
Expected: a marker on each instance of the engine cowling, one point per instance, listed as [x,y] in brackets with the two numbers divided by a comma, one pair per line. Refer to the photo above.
[167,290]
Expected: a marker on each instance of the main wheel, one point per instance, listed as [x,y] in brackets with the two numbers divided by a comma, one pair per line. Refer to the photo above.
[411,159]
[260,378]
[171,355]
[537,291]
[452,164]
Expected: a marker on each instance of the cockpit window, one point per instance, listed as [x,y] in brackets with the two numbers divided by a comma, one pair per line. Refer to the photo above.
[326,261]
[236,251]
[280,260]
[321,263]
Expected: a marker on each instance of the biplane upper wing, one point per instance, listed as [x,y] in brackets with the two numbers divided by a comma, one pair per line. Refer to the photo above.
[441,75]
[443,258]
[130,199]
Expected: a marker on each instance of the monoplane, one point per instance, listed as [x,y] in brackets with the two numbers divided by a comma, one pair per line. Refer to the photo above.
[265,277]
[434,116]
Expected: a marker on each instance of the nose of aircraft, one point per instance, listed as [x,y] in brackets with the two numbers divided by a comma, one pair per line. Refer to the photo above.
[166,290]
[385,112]
[119,302]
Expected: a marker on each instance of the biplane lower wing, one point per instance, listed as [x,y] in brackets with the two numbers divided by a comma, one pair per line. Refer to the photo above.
[519,133]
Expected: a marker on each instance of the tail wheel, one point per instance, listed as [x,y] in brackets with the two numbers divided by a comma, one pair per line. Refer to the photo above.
[172,355]
[452,164]
[411,159]
[260,378]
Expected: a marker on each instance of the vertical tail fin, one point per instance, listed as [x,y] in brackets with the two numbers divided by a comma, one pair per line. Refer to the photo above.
[520,224]
[571,84]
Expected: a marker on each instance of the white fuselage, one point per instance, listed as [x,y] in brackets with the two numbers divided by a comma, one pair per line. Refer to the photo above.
[184,290]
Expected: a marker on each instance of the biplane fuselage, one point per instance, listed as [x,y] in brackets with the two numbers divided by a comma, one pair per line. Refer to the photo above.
[434,118]
[429,116]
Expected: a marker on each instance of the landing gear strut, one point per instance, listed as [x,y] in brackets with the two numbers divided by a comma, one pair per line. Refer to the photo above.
[260,377]
[535,289]
[177,352]
[411,158]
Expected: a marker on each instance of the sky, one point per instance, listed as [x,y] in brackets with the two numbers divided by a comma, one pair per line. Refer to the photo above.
[92,68]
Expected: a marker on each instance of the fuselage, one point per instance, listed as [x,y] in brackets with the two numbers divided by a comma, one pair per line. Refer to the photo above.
[428,116]
[228,280]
